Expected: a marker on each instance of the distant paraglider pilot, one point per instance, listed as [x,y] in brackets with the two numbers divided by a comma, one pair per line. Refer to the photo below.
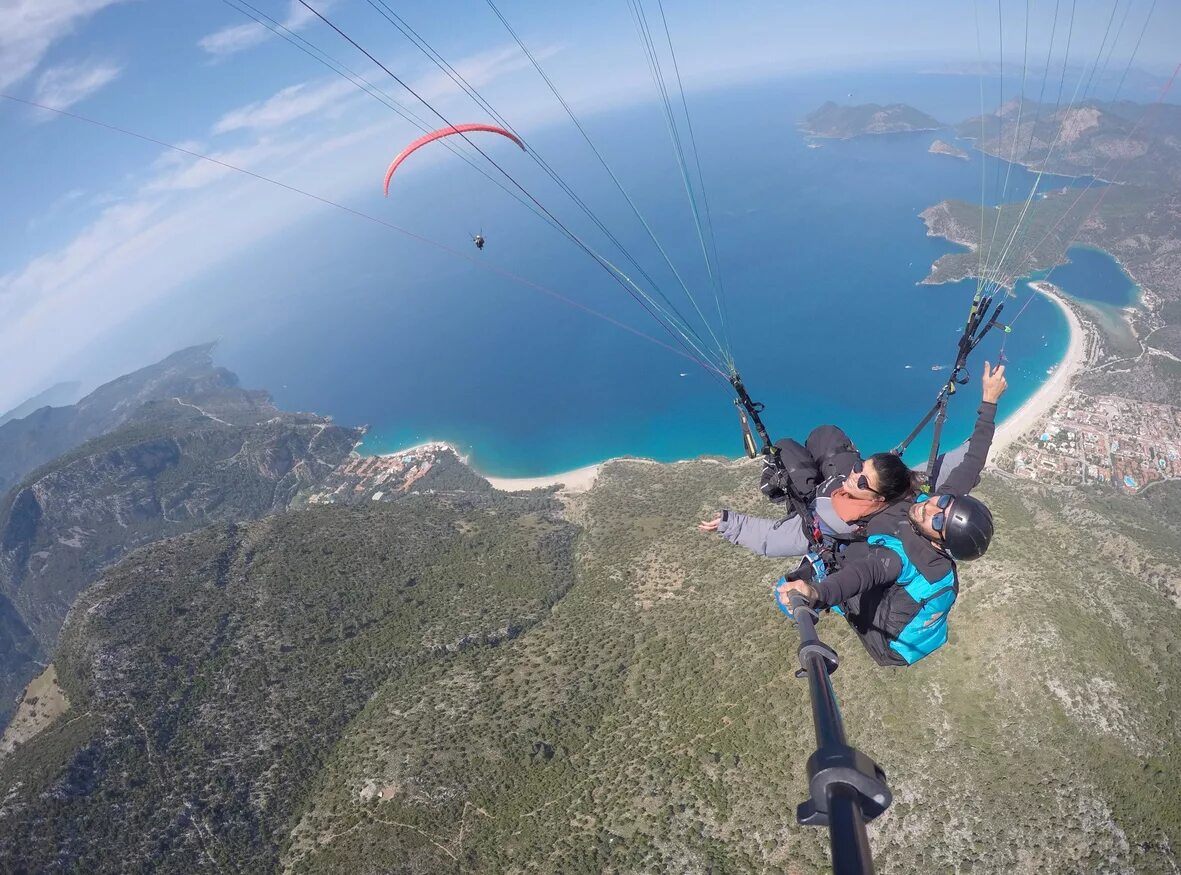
[478,239]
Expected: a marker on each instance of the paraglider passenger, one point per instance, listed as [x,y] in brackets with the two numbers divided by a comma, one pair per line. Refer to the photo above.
[844,503]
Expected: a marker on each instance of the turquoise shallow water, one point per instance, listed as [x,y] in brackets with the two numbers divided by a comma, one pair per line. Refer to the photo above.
[1095,279]
[820,249]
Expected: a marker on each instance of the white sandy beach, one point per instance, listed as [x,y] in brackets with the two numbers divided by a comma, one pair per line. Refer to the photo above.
[1043,400]
[425,445]
[578,480]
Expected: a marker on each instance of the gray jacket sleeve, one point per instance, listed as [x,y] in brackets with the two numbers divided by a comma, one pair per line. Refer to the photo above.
[958,472]
[765,537]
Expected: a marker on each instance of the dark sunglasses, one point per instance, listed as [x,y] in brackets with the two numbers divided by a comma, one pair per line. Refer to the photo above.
[862,482]
[940,519]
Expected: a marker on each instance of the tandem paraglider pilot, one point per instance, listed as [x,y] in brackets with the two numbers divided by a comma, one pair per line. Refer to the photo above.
[896,561]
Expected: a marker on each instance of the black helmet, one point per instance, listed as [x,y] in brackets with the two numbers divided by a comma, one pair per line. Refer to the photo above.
[967,529]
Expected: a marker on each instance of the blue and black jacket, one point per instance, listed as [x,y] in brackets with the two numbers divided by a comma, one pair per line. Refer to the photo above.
[896,587]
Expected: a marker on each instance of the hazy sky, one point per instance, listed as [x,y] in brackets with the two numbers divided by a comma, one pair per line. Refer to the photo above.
[98,225]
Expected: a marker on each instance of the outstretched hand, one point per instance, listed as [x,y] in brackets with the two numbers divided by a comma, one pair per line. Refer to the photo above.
[710,525]
[993,382]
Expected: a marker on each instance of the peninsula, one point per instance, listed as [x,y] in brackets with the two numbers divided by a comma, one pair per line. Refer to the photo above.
[1125,142]
[1112,416]
[939,147]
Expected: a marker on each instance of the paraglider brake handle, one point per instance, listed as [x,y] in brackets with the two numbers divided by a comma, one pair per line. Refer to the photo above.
[753,408]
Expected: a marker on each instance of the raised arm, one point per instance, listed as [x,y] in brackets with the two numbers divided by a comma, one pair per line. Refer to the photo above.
[964,473]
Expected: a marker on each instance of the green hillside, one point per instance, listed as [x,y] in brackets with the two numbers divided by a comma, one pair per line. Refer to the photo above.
[278,697]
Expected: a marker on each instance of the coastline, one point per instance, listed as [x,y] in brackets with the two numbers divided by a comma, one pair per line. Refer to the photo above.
[578,480]
[1008,430]
[1050,392]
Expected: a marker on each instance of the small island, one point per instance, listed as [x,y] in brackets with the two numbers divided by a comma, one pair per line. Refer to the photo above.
[939,147]
[833,121]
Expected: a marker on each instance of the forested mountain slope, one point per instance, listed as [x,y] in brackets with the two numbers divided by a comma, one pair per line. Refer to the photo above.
[478,682]
[171,465]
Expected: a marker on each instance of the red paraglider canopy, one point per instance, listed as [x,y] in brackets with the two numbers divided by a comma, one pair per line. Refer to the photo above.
[435,135]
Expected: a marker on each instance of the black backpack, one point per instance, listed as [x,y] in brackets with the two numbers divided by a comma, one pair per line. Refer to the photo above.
[828,452]
[798,473]
[832,451]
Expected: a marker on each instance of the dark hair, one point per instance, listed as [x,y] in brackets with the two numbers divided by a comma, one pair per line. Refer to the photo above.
[895,479]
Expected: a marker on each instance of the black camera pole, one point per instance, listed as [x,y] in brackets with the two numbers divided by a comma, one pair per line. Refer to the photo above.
[848,789]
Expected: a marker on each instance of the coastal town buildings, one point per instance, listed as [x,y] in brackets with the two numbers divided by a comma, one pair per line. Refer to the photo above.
[378,478]
[1100,439]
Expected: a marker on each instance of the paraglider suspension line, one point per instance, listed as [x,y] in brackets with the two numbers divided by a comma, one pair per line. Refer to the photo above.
[977,326]
[695,353]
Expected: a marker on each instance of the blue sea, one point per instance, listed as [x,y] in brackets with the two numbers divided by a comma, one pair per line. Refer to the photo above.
[1094,277]
[820,252]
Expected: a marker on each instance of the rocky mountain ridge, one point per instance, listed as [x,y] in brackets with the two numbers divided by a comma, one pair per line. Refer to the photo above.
[47,432]
[1125,142]
[170,465]
[58,395]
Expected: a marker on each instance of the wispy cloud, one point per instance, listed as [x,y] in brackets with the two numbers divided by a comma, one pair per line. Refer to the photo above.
[239,37]
[40,280]
[183,217]
[29,27]
[195,173]
[233,39]
[66,84]
[286,106]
